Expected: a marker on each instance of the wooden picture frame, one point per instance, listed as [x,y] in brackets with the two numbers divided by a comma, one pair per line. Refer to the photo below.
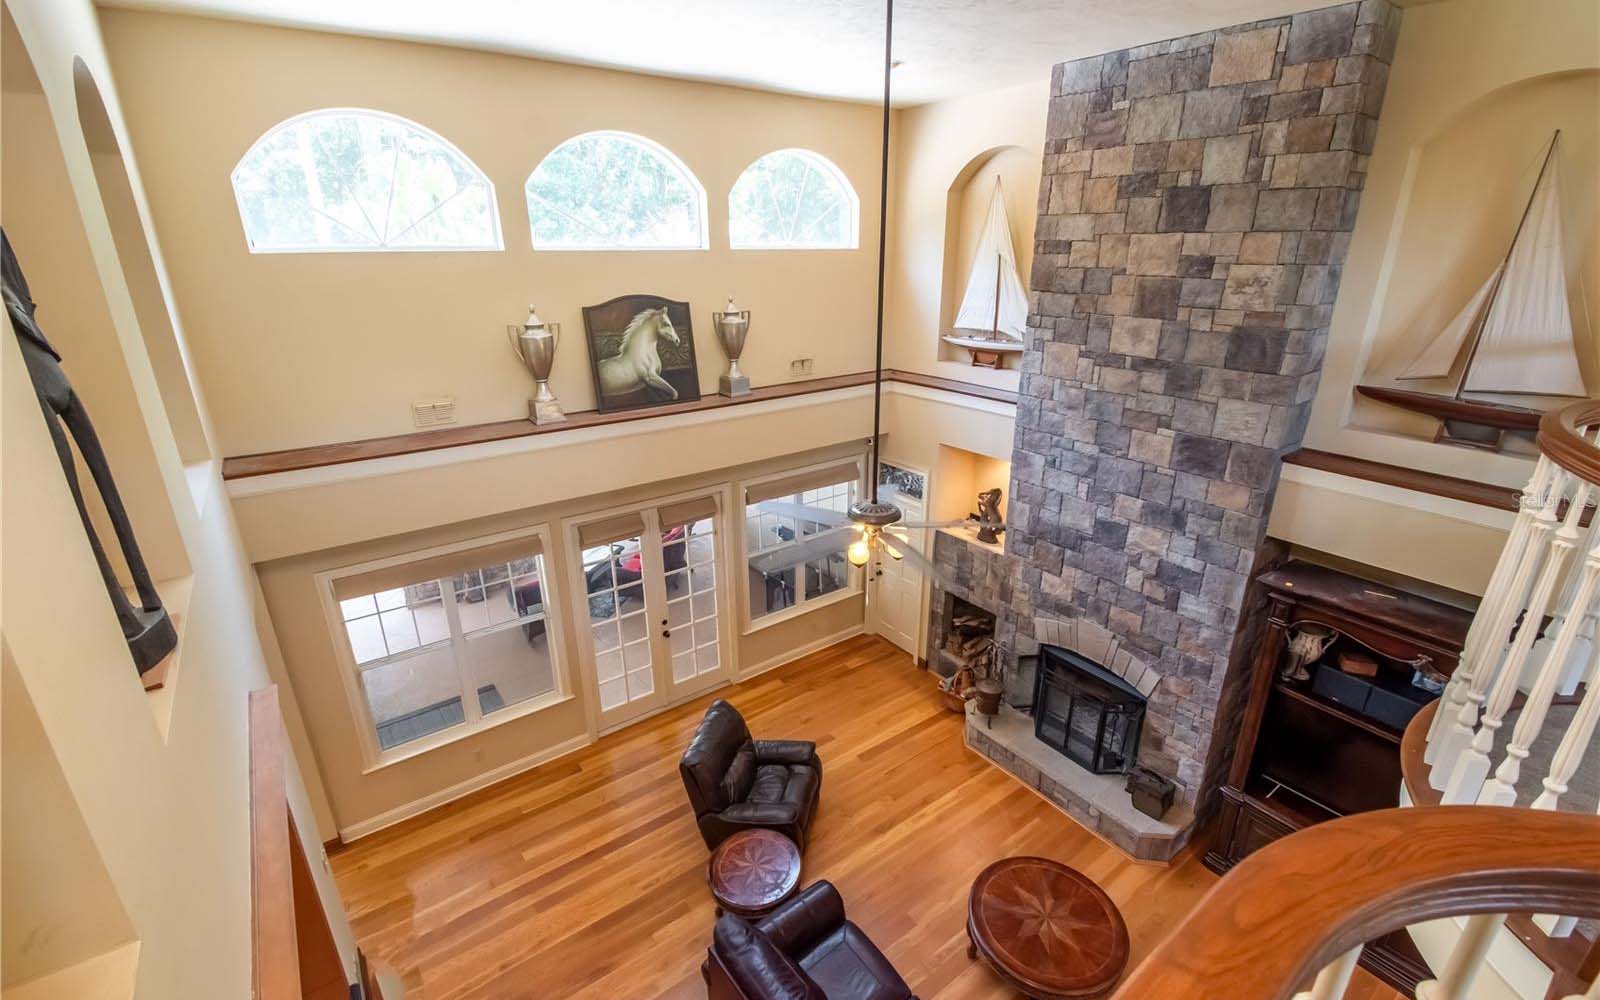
[652,369]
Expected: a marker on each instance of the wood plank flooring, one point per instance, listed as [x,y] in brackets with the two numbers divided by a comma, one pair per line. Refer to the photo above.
[585,878]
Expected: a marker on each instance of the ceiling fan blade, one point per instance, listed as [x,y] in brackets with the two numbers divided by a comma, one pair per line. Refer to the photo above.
[968,523]
[803,550]
[898,547]
[802,512]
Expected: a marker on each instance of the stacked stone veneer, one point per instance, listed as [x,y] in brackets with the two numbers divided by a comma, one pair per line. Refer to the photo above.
[1196,207]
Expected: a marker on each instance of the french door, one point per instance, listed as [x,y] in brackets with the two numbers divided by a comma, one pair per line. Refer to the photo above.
[654,618]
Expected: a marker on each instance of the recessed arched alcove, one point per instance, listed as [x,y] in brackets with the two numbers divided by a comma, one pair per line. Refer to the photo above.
[45,226]
[150,303]
[1467,185]
[967,204]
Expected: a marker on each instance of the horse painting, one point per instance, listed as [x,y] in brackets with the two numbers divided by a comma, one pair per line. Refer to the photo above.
[637,362]
[642,352]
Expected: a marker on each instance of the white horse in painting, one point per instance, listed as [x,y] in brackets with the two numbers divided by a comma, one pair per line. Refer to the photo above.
[636,362]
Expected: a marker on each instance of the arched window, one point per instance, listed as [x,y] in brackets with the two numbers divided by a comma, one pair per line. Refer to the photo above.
[346,179]
[615,191]
[793,199]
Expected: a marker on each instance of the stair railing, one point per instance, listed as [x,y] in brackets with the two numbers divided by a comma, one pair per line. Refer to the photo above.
[1291,919]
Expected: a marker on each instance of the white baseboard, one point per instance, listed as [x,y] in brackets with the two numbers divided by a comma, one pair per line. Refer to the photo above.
[790,655]
[415,808]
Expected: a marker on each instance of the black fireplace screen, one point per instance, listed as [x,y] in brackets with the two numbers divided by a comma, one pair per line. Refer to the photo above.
[1086,712]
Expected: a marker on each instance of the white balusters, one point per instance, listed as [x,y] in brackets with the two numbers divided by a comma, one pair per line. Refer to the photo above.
[1473,765]
[1573,744]
[1496,594]
[1468,957]
[1501,790]
[1569,606]
[1334,979]
[1487,654]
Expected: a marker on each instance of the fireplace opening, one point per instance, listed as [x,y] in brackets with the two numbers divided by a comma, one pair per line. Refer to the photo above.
[1086,712]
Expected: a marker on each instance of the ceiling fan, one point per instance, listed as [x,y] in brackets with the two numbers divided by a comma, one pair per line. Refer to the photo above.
[875,524]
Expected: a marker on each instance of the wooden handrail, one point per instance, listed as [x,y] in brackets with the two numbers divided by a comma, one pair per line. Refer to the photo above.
[1561,438]
[1300,902]
[276,969]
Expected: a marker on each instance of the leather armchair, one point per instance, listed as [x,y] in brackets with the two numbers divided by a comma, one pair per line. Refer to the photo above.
[803,950]
[735,782]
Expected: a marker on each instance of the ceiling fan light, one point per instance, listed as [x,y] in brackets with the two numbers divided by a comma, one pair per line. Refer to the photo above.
[859,552]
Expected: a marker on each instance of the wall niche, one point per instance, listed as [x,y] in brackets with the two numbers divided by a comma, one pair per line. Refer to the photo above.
[1468,185]
[966,205]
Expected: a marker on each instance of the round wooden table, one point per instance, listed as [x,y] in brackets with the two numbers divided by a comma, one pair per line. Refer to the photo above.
[1046,929]
[753,871]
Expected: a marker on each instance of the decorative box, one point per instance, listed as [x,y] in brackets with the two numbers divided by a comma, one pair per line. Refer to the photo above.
[1152,793]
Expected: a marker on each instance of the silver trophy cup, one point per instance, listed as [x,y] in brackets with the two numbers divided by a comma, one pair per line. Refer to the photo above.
[535,344]
[732,326]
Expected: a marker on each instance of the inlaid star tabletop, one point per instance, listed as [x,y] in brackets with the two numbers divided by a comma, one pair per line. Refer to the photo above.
[754,869]
[1048,926]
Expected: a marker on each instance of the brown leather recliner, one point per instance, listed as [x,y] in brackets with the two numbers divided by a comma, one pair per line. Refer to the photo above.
[803,950]
[736,783]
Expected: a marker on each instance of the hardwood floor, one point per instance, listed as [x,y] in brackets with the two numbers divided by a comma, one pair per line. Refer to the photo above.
[585,878]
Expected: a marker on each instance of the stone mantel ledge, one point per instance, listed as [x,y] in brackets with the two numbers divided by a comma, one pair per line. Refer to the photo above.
[1099,802]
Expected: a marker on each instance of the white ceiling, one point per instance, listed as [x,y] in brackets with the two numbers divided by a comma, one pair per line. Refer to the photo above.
[825,48]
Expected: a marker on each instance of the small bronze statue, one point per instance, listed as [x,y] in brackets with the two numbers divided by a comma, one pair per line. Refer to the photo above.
[988,516]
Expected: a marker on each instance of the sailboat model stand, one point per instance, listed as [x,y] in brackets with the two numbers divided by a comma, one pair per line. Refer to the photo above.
[1515,334]
[993,319]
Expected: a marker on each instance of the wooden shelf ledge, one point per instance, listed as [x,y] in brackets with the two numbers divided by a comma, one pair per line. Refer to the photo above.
[317,456]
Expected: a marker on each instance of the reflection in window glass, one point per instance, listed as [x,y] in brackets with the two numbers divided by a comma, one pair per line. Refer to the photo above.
[421,646]
[794,199]
[689,557]
[771,526]
[615,191]
[361,180]
[613,577]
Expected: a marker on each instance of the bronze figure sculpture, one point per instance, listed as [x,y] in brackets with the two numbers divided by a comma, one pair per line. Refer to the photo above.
[147,627]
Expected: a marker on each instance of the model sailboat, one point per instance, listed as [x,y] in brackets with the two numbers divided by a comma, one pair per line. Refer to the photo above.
[993,318]
[1514,334]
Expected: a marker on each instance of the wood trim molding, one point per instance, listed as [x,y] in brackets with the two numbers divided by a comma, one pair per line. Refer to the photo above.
[1300,902]
[1450,487]
[275,963]
[318,456]
[1562,440]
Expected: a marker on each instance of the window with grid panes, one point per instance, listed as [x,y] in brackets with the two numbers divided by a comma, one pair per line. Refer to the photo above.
[434,653]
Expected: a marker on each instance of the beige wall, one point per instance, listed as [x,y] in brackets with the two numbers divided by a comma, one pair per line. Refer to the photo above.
[949,438]
[1470,183]
[300,349]
[1458,63]
[939,146]
[164,807]
[364,800]
[1475,88]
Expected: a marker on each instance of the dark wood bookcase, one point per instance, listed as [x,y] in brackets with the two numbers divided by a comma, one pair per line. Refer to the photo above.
[1302,756]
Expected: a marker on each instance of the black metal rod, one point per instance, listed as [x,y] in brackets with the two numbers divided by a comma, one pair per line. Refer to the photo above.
[883,231]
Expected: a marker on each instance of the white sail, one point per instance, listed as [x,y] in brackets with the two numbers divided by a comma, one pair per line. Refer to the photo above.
[1526,344]
[1443,351]
[995,299]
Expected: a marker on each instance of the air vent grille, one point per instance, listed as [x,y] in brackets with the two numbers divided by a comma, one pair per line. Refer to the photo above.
[433,412]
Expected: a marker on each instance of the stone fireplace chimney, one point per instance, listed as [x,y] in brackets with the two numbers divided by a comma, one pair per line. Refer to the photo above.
[1195,211]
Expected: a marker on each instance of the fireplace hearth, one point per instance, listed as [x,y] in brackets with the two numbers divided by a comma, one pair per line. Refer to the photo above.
[1086,712]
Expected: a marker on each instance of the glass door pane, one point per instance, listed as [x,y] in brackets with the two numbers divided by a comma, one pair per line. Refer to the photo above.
[689,556]
[619,625]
